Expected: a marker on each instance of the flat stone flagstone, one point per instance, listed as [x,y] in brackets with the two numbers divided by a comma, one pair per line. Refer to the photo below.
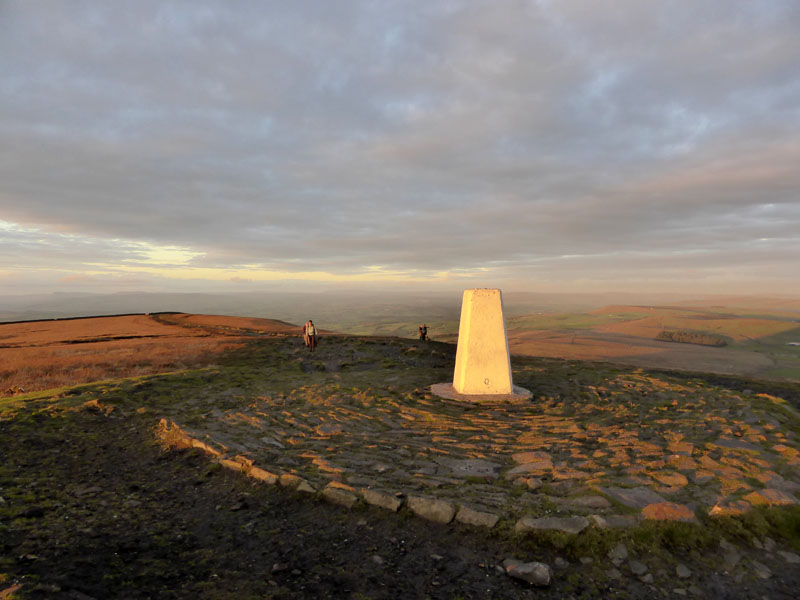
[735,444]
[638,497]
[671,479]
[729,507]
[668,511]
[473,467]
[578,450]
[532,457]
[587,502]
[535,469]
[614,521]
[770,497]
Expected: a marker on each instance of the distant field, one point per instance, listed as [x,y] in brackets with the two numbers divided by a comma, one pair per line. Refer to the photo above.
[649,324]
[757,336]
[49,354]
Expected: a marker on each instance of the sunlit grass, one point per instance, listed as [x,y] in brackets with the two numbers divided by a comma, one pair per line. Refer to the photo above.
[42,368]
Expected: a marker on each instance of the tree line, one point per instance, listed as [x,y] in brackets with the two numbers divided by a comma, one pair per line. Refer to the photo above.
[686,336]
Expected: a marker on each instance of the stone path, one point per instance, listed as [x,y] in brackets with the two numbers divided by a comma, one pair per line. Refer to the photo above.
[609,453]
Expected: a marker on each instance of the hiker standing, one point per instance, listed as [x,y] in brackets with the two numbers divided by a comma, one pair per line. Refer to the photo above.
[310,334]
[423,333]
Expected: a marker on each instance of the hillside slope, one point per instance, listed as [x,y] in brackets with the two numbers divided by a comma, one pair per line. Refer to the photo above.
[92,506]
[40,355]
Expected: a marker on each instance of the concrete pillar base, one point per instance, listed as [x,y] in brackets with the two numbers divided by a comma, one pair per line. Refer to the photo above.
[446,390]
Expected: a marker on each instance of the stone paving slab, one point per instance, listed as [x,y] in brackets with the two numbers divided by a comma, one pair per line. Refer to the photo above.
[615,451]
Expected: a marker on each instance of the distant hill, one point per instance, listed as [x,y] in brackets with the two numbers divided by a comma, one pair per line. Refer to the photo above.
[40,355]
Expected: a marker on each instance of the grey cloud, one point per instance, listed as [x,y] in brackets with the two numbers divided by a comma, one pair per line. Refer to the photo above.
[454,135]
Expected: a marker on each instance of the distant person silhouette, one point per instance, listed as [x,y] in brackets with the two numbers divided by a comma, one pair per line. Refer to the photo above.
[310,335]
[423,333]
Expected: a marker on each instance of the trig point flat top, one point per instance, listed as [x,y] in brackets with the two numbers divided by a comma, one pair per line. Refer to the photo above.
[483,365]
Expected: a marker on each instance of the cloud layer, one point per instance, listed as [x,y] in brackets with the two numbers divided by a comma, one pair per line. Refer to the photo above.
[616,144]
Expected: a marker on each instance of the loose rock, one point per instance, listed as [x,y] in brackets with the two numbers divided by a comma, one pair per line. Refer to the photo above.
[679,591]
[263,475]
[338,496]
[761,570]
[432,509]
[535,573]
[476,518]
[637,568]
[387,501]
[532,483]
[790,557]
[288,480]
[618,554]
[305,487]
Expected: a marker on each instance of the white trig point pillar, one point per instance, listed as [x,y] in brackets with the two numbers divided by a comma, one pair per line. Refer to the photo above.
[483,364]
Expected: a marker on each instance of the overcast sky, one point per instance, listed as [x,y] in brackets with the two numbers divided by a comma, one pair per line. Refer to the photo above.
[543,145]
